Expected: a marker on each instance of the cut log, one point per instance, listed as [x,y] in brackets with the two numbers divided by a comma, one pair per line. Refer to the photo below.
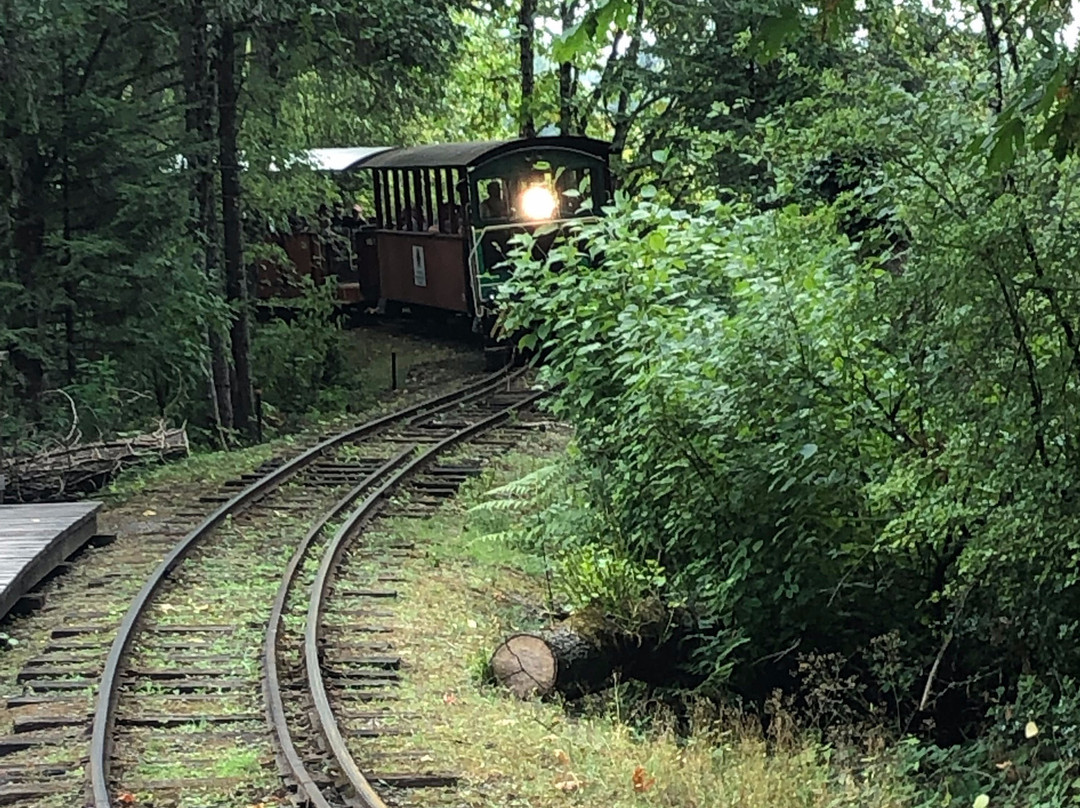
[561,660]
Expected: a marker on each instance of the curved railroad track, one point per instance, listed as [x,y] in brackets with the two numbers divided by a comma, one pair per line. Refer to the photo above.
[326,495]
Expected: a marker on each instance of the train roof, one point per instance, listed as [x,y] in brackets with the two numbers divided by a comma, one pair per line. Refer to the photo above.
[343,159]
[465,155]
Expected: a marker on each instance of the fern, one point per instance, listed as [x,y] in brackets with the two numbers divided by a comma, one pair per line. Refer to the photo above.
[507,510]
[504,536]
[526,488]
[496,506]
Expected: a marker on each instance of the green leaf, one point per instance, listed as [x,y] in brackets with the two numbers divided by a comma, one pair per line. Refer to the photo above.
[775,31]
[1007,141]
[1044,97]
[597,22]
[1047,133]
[836,14]
[808,450]
[571,43]
[981,801]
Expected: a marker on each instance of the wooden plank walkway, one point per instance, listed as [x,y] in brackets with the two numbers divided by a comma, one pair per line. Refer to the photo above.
[35,539]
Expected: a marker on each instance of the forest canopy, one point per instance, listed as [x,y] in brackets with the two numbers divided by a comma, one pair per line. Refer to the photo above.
[124,131]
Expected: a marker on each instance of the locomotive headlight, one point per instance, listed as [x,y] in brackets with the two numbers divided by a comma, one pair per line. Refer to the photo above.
[537,202]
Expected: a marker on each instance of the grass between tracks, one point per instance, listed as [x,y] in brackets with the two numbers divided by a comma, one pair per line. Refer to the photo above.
[467,594]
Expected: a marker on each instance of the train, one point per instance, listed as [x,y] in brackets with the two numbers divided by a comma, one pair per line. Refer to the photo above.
[442,219]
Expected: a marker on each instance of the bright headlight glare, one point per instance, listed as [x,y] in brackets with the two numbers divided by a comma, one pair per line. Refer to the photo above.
[537,202]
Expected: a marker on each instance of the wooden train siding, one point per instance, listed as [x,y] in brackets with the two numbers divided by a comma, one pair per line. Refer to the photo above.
[35,539]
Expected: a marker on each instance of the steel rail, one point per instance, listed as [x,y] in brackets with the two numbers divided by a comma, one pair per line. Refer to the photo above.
[108,692]
[271,679]
[369,798]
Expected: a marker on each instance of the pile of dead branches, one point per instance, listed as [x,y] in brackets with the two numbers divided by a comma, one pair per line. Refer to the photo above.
[80,467]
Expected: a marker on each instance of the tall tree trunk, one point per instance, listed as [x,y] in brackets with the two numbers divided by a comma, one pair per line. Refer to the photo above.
[567,8]
[236,286]
[28,243]
[200,99]
[526,36]
[628,65]
[70,284]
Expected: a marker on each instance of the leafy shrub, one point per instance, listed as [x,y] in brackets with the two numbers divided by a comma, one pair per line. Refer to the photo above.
[296,361]
[676,351]
[100,398]
[599,578]
[819,450]
[546,513]
[1028,757]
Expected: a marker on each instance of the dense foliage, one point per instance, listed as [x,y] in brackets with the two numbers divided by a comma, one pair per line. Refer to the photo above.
[822,356]
[838,412]
[128,232]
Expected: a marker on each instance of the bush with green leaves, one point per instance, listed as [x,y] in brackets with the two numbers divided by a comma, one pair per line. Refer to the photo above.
[296,359]
[1027,757]
[548,513]
[678,352]
[820,445]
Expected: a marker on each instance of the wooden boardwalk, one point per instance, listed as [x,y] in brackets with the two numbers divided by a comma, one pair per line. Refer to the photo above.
[35,539]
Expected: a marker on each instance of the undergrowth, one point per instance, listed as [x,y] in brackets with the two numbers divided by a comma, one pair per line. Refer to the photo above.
[1024,756]
[479,582]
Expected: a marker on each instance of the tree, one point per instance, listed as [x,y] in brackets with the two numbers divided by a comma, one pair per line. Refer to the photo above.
[840,416]
[567,79]
[200,101]
[236,284]
[87,225]
[110,293]
[526,37]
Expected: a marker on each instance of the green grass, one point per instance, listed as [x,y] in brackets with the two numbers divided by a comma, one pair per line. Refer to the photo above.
[467,594]
[240,763]
[205,467]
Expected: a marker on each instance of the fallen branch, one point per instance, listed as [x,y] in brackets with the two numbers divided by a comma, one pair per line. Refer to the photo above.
[73,434]
[933,673]
[941,654]
[57,473]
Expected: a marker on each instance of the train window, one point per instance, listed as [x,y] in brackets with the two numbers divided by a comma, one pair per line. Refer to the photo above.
[399,201]
[407,214]
[540,192]
[456,195]
[442,216]
[494,204]
[421,204]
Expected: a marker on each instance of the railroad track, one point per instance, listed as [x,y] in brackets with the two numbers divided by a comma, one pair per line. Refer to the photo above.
[190,668]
